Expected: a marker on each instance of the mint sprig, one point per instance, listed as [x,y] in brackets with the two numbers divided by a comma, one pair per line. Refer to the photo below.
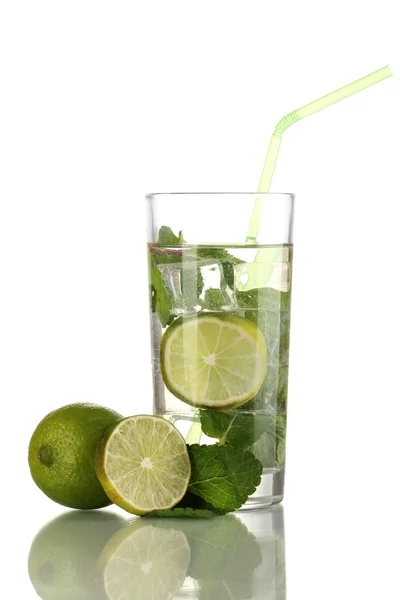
[236,428]
[223,476]
[263,434]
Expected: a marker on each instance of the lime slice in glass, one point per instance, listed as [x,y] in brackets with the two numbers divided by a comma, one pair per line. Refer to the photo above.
[143,464]
[143,562]
[213,360]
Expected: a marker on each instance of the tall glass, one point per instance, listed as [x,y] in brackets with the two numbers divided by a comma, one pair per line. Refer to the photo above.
[220,319]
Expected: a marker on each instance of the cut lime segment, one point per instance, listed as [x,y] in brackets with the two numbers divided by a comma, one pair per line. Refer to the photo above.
[213,360]
[143,464]
[143,562]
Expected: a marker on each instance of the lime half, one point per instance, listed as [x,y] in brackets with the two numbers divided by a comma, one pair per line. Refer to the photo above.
[214,360]
[143,464]
[143,562]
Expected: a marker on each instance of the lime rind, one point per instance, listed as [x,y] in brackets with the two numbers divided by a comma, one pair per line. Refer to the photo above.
[213,360]
[61,454]
[143,464]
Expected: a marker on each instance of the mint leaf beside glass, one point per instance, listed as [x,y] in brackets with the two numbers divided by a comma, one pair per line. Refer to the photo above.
[223,476]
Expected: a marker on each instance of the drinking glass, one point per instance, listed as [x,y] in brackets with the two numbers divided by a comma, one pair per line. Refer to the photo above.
[220,322]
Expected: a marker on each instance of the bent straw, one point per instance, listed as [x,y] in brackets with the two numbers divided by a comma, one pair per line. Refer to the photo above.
[285,122]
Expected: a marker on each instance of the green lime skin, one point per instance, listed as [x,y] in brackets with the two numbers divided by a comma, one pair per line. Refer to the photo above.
[62,454]
[63,558]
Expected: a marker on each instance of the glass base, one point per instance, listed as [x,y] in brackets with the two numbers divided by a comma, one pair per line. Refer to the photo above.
[269,492]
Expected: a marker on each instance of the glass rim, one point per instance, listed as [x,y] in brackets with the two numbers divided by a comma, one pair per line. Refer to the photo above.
[264,194]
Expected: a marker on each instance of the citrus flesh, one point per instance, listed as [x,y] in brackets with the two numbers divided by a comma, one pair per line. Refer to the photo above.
[143,464]
[143,562]
[213,360]
[62,454]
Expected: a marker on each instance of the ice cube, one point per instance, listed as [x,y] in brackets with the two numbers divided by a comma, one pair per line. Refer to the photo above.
[216,294]
[275,275]
[261,298]
[269,310]
[184,281]
[197,285]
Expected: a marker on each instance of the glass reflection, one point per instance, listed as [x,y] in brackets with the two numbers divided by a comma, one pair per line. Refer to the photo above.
[99,555]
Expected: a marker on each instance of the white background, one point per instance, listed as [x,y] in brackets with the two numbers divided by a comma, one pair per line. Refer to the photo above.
[101,102]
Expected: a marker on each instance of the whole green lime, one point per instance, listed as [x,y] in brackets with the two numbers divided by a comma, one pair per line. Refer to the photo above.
[62,454]
[63,557]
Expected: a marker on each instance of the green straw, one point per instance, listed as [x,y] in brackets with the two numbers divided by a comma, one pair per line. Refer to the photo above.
[300,113]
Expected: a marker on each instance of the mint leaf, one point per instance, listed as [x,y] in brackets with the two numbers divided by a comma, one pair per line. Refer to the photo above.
[166,237]
[214,299]
[270,447]
[236,428]
[196,503]
[262,434]
[193,513]
[160,297]
[191,506]
[223,476]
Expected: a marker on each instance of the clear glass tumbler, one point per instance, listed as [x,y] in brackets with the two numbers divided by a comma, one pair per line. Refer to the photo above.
[220,320]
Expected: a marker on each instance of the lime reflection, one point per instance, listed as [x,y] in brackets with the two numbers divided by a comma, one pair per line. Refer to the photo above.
[99,555]
[64,555]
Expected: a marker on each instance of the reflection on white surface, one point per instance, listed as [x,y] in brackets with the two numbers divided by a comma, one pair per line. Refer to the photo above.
[63,560]
[98,555]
